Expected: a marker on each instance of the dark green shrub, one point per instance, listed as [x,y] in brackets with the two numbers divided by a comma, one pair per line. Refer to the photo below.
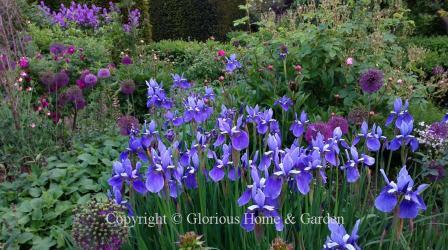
[186,19]
[424,13]
[437,47]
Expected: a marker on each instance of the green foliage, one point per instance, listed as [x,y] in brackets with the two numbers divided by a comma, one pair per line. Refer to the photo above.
[16,149]
[35,209]
[320,40]
[424,13]
[438,51]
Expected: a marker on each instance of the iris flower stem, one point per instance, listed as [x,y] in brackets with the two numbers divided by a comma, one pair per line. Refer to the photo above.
[367,190]
[254,132]
[403,154]
[285,71]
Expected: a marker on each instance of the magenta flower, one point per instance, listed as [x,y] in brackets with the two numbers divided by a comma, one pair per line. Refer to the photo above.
[24,63]
[221,53]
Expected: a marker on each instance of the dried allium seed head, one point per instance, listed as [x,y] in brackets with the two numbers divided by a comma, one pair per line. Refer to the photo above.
[92,228]
[279,244]
[190,241]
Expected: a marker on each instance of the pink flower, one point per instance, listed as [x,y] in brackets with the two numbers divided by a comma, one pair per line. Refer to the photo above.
[24,63]
[298,68]
[349,61]
[33,125]
[221,53]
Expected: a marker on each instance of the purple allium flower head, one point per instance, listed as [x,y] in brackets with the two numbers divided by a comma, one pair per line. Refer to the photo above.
[53,82]
[232,64]
[438,70]
[318,128]
[338,121]
[357,115]
[103,73]
[439,130]
[57,49]
[340,239]
[180,82]
[91,229]
[47,78]
[371,80]
[74,95]
[127,87]
[127,123]
[285,102]
[410,201]
[283,51]
[90,80]
[126,60]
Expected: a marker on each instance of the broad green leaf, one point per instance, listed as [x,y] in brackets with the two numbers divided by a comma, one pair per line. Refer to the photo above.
[43,243]
[88,158]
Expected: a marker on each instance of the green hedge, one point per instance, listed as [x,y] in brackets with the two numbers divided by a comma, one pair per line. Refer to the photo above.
[438,50]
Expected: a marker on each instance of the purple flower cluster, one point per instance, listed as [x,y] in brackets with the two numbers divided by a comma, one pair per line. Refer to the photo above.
[157,96]
[180,82]
[80,14]
[340,239]
[73,95]
[232,64]
[133,21]
[54,82]
[224,150]
[284,102]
